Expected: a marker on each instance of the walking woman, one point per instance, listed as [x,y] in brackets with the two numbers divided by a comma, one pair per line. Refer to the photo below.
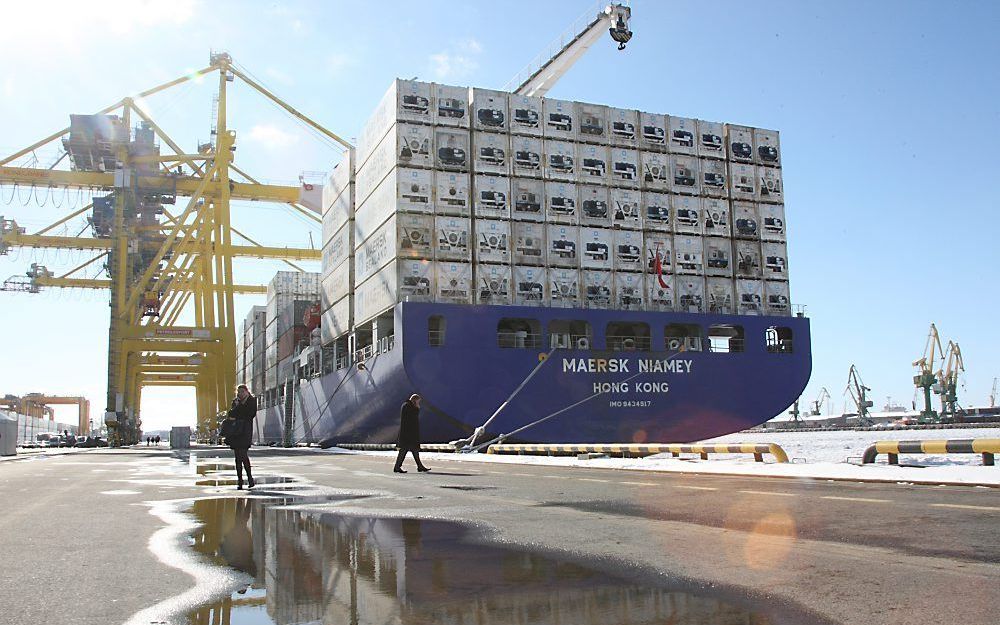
[243,412]
[409,434]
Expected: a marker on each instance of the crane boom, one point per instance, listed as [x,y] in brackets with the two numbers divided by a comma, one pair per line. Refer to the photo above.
[541,74]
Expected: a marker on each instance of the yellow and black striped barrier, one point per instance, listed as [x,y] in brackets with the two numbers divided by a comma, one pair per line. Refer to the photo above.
[638,450]
[985,446]
[439,447]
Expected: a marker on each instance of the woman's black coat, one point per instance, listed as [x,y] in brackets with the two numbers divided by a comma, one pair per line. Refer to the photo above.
[245,413]
[409,428]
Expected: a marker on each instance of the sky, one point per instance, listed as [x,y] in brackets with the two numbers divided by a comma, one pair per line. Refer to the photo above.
[881,108]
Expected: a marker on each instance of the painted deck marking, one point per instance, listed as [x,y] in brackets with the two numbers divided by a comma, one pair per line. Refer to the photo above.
[862,499]
[590,479]
[697,487]
[959,506]
[767,492]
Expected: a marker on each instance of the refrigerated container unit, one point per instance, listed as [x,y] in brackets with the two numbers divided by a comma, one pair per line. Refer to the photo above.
[623,127]
[560,160]
[529,286]
[689,255]
[404,235]
[493,284]
[399,281]
[593,123]
[597,288]
[451,149]
[746,224]
[716,217]
[336,284]
[628,251]
[338,197]
[596,245]
[656,212]
[748,259]
[655,171]
[772,222]
[492,241]
[630,291]
[624,167]
[684,174]
[594,206]
[404,190]
[529,199]
[564,287]
[453,236]
[683,135]
[749,297]
[560,119]
[563,245]
[406,145]
[714,178]
[561,203]
[776,299]
[525,115]
[659,253]
[593,164]
[660,293]
[489,109]
[766,147]
[491,153]
[451,106]
[491,197]
[718,257]
[711,140]
[740,143]
[690,294]
[335,321]
[720,296]
[529,243]
[453,283]
[451,194]
[687,214]
[626,209]
[653,132]
[775,261]
[405,100]
[338,248]
[769,184]
[527,156]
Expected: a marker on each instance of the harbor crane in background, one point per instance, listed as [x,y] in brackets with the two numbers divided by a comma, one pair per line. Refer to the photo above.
[164,265]
[817,404]
[859,395]
[926,378]
[993,393]
[948,379]
[40,405]
[548,67]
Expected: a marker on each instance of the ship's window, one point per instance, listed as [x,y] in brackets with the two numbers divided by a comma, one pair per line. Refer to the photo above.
[568,334]
[519,333]
[779,340]
[627,336]
[682,337]
[725,338]
[435,330]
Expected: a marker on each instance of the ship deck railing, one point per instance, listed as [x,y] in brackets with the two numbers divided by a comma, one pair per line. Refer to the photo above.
[519,340]
[628,342]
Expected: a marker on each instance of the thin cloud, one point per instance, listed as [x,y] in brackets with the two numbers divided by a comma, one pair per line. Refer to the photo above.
[272,136]
[460,61]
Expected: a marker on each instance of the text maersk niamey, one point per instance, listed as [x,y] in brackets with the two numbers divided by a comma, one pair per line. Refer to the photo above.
[621,365]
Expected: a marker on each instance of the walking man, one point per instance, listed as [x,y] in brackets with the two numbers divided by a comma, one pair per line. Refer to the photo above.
[409,434]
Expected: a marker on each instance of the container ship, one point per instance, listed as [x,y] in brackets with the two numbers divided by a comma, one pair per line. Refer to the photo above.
[571,272]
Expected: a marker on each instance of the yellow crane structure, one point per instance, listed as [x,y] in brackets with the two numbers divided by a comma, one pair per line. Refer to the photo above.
[948,376]
[161,263]
[82,404]
[926,378]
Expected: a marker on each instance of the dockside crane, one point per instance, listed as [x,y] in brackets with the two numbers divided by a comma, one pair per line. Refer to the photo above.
[925,379]
[817,404]
[161,262]
[993,394]
[948,379]
[859,395]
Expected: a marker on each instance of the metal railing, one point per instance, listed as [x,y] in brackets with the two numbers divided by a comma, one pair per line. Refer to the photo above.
[729,346]
[628,343]
[435,338]
[519,340]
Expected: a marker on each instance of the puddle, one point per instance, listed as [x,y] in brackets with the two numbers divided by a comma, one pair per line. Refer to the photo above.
[460,487]
[266,479]
[313,567]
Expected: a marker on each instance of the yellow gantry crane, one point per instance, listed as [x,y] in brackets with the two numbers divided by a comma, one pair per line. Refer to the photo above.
[926,378]
[160,262]
[947,386]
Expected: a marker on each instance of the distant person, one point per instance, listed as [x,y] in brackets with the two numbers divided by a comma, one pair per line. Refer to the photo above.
[157,439]
[147,441]
[409,434]
[239,433]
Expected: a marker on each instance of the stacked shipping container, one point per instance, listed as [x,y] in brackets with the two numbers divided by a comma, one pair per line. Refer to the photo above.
[289,295]
[478,196]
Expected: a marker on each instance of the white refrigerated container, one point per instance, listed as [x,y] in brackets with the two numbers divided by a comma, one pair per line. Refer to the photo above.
[628,252]
[720,296]
[561,203]
[653,132]
[748,259]
[718,257]
[749,297]
[336,284]
[525,115]
[451,149]
[776,299]
[655,170]
[624,168]
[711,140]
[335,321]
[656,212]
[530,286]
[560,160]
[772,222]
[493,284]
[560,119]
[626,209]
[623,127]
[739,140]
[767,149]
[595,248]
[775,260]
[404,235]
[492,241]
[451,106]
[399,281]
[714,178]
[742,182]
[384,162]
[598,288]
[630,291]
[687,214]
[690,294]
[769,185]
[527,156]
[684,174]
[404,190]
[716,217]
[339,248]
[490,153]
[491,197]
[338,197]
[529,242]
[659,249]
[594,206]
[660,293]
[453,282]
[452,193]
[563,245]
[689,255]
[453,237]
[528,199]
[593,164]
[746,224]
[593,123]
[489,109]
[683,134]
[564,287]
[405,100]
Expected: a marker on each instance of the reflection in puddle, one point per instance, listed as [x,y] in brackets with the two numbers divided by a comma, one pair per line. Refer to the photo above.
[310,567]
[233,481]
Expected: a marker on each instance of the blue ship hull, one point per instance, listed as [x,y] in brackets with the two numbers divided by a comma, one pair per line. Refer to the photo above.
[655,395]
